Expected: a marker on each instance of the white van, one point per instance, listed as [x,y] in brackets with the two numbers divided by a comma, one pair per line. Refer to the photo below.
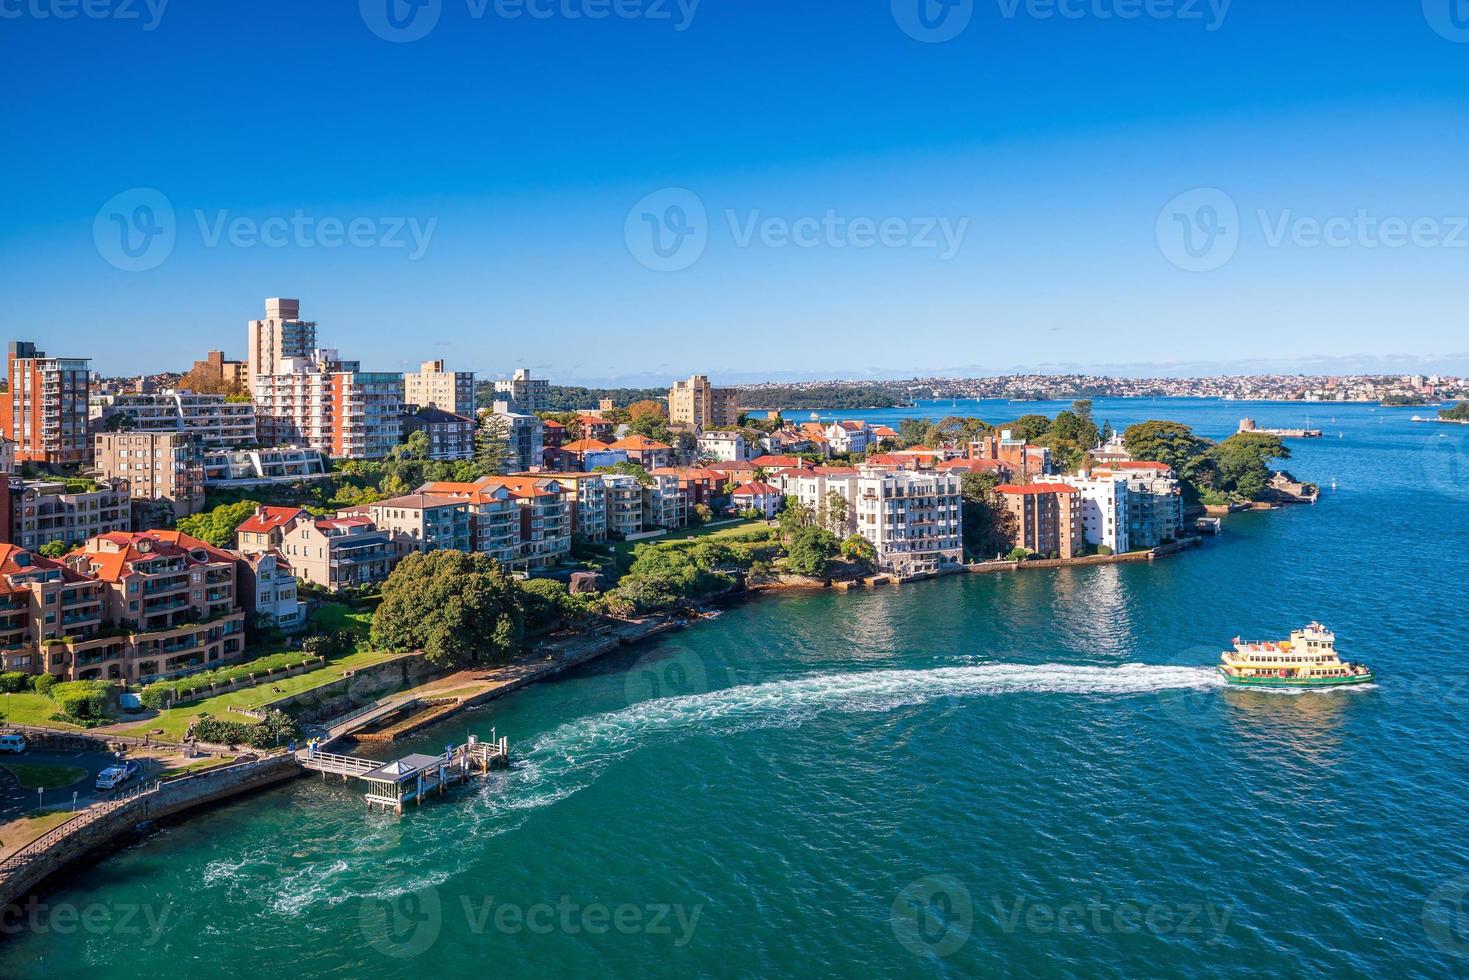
[12,742]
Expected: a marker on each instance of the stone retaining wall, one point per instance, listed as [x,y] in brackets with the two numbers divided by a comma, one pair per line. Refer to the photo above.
[89,831]
[364,684]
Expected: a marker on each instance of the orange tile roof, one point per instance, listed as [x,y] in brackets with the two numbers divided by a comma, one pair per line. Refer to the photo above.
[586,446]
[755,489]
[267,519]
[639,444]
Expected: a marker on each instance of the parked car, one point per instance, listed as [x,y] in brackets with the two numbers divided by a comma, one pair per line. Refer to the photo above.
[114,776]
[13,743]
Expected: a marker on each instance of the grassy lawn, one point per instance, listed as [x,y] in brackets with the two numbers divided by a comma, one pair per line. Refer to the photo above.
[30,709]
[41,775]
[173,772]
[330,617]
[623,549]
[19,833]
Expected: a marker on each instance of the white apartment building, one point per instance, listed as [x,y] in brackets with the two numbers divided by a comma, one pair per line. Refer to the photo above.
[241,467]
[526,437]
[332,405]
[433,387]
[216,422]
[267,589]
[812,489]
[849,437]
[522,394]
[1104,508]
[280,336]
[723,447]
[624,504]
[664,503]
[913,519]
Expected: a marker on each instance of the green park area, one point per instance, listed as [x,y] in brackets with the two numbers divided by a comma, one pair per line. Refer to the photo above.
[41,775]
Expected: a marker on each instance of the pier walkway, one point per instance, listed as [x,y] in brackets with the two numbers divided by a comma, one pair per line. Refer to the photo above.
[411,778]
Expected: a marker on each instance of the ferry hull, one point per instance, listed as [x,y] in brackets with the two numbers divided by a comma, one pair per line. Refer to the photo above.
[1294,682]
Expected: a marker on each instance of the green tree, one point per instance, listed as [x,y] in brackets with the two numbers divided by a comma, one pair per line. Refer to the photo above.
[547,602]
[53,549]
[793,516]
[491,444]
[1176,445]
[1242,463]
[988,524]
[857,548]
[810,550]
[217,526]
[460,609]
[832,512]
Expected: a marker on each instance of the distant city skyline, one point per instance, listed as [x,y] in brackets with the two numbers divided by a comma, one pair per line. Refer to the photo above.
[855,195]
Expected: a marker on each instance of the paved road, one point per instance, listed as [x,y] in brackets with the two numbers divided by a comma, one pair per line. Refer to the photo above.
[15,801]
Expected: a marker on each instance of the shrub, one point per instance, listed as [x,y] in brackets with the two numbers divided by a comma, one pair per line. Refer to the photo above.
[82,700]
[547,602]
[276,728]
[160,693]
[42,683]
[1103,549]
[1018,554]
[14,682]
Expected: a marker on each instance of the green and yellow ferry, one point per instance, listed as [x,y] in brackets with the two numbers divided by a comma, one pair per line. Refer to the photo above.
[1307,659]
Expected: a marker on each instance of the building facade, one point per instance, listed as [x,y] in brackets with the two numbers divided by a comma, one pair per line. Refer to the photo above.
[280,336]
[914,520]
[126,607]
[331,405]
[243,467]
[723,447]
[422,522]
[45,410]
[163,469]
[36,512]
[338,552]
[268,591]
[218,370]
[699,404]
[1104,501]
[433,387]
[450,436]
[1046,518]
[522,394]
[214,421]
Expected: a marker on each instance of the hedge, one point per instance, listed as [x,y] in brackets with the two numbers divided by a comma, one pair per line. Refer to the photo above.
[276,728]
[160,693]
[14,682]
[82,701]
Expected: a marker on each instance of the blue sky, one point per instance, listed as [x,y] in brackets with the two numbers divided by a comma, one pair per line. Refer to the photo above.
[1053,149]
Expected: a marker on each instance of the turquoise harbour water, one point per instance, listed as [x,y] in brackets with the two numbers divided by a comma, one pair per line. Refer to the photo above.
[1032,774]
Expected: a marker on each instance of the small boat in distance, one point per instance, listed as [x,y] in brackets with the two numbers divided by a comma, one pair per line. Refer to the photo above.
[1307,659]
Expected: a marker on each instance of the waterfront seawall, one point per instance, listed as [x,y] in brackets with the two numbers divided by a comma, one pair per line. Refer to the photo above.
[103,825]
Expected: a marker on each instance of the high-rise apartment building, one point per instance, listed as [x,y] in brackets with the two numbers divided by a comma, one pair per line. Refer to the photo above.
[433,387]
[698,403]
[165,470]
[329,404]
[45,410]
[281,335]
[522,394]
[215,421]
[914,520]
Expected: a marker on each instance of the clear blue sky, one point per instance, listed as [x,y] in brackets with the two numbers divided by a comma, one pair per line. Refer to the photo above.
[528,141]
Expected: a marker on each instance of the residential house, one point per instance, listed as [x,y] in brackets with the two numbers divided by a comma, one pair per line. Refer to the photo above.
[268,590]
[422,522]
[265,530]
[758,496]
[723,446]
[338,552]
[647,453]
[849,437]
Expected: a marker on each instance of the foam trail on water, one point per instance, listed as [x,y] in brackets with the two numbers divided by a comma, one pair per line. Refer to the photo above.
[570,757]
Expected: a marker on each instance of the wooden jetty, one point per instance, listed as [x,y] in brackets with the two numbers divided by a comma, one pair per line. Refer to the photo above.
[408,780]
